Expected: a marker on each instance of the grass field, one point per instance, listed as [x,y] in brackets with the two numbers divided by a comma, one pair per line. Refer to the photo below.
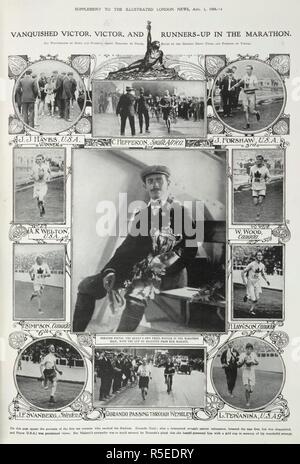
[52,302]
[26,209]
[267,387]
[35,394]
[268,307]
[245,212]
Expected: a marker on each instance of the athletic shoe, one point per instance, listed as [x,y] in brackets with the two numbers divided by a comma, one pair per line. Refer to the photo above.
[252,313]
[52,400]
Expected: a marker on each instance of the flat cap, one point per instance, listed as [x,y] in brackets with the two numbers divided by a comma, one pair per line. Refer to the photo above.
[155,169]
[128,88]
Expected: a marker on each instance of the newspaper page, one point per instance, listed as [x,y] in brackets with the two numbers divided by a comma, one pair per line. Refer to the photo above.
[149,206]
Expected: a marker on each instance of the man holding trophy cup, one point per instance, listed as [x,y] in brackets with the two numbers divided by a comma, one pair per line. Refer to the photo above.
[153,256]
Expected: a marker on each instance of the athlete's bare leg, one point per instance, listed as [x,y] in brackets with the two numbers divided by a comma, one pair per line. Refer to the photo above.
[53,390]
[252,308]
[260,206]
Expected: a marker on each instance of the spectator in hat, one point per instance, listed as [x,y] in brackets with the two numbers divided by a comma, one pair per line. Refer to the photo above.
[106,373]
[142,109]
[125,109]
[28,91]
[228,96]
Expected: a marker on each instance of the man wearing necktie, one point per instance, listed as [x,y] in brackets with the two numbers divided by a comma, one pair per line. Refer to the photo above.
[229,361]
[151,260]
[227,96]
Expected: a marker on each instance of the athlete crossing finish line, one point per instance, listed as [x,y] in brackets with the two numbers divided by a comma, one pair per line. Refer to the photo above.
[48,372]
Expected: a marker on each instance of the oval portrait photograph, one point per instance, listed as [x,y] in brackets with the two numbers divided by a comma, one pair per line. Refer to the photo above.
[247,373]
[248,96]
[49,96]
[50,373]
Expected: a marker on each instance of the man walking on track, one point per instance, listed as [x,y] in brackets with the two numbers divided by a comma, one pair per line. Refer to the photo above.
[125,109]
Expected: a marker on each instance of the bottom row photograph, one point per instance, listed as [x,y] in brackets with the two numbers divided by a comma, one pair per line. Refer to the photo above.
[246,372]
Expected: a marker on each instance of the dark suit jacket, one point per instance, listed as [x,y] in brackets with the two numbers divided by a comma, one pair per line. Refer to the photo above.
[234,360]
[141,104]
[125,105]
[224,84]
[59,86]
[66,89]
[28,89]
[135,248]
[104,367]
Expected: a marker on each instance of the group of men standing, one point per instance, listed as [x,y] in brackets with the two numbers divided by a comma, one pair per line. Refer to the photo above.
[128,106]
[143,106]
[33,92]
[115,371]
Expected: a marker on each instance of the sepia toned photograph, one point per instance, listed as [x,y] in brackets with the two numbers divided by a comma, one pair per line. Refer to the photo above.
[248,96]
[258,186]
[149,108]
[39,281]
[258,281]
[149,377]
[50,373]
[151,257]
[49,96]
[39,185]
[248,373]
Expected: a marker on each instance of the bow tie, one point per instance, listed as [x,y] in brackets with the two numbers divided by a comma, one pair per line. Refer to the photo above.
[156,203]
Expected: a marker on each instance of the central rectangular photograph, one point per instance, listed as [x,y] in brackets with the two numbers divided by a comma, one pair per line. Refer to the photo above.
[149,108]
[149,241]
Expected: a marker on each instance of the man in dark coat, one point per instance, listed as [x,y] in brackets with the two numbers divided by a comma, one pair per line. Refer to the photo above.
[101,102]
[142,108]
[153,223]
[228,96]
[106,374]
[125,109]
[66,95]
[59,78]
[118,372]
[229,361]
[28,90]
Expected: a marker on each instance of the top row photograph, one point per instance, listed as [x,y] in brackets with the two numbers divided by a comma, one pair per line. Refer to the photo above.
[149,96]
